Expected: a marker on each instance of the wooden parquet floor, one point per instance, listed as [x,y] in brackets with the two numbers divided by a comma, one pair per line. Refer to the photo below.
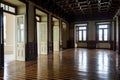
[71,64]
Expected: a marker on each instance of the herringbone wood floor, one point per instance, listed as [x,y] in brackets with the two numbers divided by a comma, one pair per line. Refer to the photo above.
[71,64]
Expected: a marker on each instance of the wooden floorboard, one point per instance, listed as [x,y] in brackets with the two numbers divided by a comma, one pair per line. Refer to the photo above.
[71,64]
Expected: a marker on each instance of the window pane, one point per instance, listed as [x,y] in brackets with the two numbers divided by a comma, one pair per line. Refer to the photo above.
[11,9]
[21,26]
[81,28]
[103,26]
[22,35]
[84,35]
[6,7]
[105,34]
[100,35]
[2,5]
[80,35]
[18,35]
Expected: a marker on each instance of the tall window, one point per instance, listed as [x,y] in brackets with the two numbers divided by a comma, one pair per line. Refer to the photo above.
[82,34]
[103,32]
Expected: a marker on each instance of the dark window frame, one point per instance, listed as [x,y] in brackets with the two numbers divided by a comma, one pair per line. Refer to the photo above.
[77,33]
[108,34]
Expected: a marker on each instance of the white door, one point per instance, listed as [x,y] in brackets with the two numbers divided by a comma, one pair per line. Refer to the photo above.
[20,38]
[42,37]
[56,38]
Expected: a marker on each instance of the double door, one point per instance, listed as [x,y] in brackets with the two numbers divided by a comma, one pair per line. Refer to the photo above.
[19,38]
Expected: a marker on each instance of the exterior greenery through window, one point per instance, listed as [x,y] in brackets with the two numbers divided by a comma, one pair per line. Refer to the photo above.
[103,32]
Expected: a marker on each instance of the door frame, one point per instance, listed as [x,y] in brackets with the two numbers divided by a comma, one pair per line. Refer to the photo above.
[1,39]
[52,24]
[35,21]
[26,19]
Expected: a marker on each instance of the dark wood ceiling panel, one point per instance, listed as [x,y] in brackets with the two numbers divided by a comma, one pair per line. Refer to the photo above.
[82,9]
[88,8]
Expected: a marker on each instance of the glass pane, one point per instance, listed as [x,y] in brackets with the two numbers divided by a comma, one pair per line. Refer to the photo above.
[100,35]
[21,26]
[84,35]
[81,28]
[80,35]
[2,5]
[22,35]
[103,26]
[18,35]
[20,29]
[11,9]
[20,20]
[105,34]
[6,7]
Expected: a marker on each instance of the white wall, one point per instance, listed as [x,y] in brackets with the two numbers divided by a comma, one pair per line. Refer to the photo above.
[10,26]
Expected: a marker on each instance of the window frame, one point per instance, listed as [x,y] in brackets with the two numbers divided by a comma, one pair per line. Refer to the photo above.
[108,34]
[5,4]
[77,33]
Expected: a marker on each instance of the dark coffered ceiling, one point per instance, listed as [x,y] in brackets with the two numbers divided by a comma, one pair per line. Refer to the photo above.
[82,9]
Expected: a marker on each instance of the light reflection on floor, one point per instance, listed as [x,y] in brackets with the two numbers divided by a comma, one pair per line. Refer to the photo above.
[82,61]
[72,64]
[103,63]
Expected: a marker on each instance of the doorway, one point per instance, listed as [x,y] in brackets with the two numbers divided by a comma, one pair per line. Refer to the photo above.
[9,37]
[55,34]
[42,23]
[13,31]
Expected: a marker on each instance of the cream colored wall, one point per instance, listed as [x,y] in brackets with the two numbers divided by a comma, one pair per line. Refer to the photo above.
[10,26]
[102,45]
[81,44]
[21,10]
[91,30]
[56,23]
[44,18]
